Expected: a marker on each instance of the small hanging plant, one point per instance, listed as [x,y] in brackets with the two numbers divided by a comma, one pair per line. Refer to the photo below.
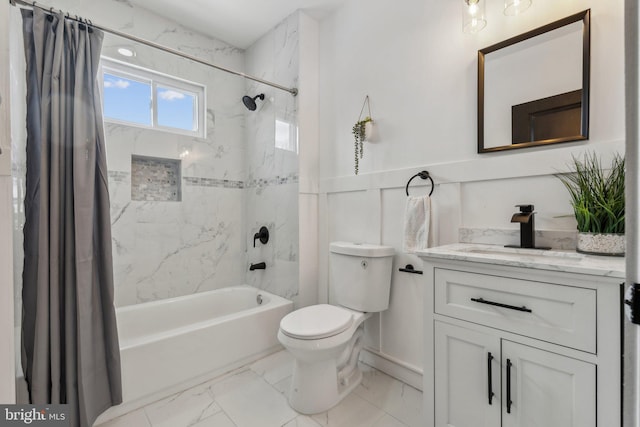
[360,135]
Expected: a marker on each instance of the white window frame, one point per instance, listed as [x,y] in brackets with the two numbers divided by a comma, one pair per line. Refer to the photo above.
[155,79]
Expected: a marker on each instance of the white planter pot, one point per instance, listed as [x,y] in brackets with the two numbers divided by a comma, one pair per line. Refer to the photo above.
[601,244]
[368,131]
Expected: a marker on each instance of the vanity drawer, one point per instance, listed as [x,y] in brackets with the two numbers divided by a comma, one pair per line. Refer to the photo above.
[560,314]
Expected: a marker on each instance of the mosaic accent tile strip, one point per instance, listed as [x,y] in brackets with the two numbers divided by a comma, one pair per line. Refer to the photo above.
[212,182]
[119,176]
[194,181]
[292,178]
[155,179]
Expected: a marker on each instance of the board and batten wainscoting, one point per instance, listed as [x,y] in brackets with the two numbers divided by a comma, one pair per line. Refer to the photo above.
[470,196]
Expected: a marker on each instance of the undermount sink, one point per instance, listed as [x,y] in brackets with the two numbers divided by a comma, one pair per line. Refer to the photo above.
[519,252]
[554,259]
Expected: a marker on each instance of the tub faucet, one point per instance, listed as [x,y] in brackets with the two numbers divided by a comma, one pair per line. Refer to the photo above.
[526,219]
[258,266]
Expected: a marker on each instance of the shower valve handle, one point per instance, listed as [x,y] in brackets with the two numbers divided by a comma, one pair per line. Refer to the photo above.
[263,235]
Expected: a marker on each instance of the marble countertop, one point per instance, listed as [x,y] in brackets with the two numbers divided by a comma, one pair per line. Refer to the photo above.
[553,260]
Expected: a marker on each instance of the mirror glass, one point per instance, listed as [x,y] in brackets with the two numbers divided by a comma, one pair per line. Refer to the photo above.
[533,89]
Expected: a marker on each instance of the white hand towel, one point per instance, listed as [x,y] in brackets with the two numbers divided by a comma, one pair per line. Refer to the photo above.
[417,216]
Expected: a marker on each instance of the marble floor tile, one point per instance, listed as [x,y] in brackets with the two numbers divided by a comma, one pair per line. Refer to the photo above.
[284,386]
[392,396]
[218,420]
[275,367]
[302,421]
[256,396]
[250,401]
[184,409]
[388,421]
[136,418]
[353,411]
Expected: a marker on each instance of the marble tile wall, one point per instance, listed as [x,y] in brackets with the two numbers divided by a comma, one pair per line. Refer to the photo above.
[169,249]
[271,182]
[163,249]
[242,175]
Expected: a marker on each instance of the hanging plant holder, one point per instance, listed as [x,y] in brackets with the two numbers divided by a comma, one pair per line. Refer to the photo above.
[362,131]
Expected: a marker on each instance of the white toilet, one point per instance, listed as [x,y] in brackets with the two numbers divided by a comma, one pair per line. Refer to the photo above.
[326,340]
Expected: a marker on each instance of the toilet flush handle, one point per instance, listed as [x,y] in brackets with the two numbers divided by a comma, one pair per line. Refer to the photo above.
[409,269]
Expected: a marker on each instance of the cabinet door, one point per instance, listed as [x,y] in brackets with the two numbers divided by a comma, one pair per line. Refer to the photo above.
[546,389]
[467,364]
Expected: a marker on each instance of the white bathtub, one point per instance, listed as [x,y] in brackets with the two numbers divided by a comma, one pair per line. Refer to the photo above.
[172,344]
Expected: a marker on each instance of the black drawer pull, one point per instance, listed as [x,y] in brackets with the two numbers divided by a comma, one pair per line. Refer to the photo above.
[490,377]
[409,269]
[509,401]
[499,304]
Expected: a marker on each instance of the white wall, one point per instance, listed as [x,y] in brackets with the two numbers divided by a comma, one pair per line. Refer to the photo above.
[419,71]
[308,159]
[7,383]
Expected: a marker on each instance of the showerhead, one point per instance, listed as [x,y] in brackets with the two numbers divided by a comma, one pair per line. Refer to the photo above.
[250,102]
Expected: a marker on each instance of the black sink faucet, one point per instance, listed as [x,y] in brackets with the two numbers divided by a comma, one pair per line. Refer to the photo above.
[526,219]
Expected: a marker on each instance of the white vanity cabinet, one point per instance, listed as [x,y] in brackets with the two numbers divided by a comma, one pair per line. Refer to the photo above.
[543,388]
[467,365]
[522,340]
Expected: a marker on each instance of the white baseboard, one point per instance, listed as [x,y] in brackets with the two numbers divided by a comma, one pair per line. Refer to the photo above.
[398,369]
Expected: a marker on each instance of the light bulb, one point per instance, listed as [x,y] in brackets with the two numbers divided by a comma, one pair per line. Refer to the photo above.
[473,19]
[516,7]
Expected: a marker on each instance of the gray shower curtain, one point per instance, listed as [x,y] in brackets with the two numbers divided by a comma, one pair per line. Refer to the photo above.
[69,336]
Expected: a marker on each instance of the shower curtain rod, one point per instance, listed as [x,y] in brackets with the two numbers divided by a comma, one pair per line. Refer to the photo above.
[293,91]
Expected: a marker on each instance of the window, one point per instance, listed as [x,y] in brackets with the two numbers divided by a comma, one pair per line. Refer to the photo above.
[286,137]
[139,97]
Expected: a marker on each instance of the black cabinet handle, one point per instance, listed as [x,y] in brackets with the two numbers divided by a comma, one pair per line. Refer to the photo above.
[409,269]
[490,391]
[509,402]
[499,304]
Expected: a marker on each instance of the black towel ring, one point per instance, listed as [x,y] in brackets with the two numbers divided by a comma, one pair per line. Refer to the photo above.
[423,175]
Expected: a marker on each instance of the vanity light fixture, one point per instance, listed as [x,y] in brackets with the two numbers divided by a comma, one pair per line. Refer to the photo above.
[473,17]
[515,7]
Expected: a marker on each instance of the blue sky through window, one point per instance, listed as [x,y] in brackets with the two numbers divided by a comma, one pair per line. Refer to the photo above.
[142,97]
[176,108]
[127,100]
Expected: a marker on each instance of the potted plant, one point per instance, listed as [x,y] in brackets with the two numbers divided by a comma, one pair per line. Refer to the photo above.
[597,198]
[361,132]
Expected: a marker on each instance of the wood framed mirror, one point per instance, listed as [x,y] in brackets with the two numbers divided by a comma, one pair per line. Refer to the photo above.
[533,89]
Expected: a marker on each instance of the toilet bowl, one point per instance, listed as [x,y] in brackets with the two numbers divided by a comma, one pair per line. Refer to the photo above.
[325,340]
[325,367]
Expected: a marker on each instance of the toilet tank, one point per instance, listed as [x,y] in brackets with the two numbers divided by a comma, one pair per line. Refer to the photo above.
[360,275]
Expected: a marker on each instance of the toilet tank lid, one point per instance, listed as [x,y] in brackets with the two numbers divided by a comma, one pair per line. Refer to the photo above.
[361,249]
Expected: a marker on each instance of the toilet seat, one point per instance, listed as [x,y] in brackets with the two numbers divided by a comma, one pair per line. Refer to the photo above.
[316,322]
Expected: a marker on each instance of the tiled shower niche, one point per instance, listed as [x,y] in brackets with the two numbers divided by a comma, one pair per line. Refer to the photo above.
[155,179]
